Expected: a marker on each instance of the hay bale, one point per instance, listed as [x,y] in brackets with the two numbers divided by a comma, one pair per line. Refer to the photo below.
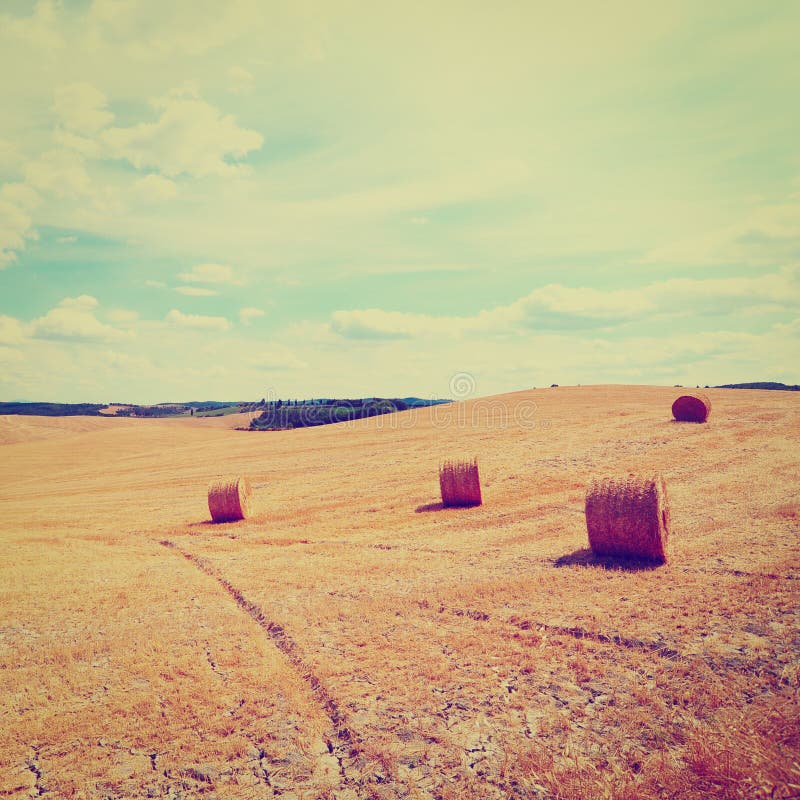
[229,499]
[691,408]
[628,517]
[460,483]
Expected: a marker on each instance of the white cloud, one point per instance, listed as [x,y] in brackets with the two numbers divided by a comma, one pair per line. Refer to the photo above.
[767,233]
[374,323]
[554,307]
[210,273]
[61,173]
[248,314]
[580,303]
[197,321]
[150,31]
[67,239]
[156,188]
[38,30]
[276,358]
[84,302]
[241,79]
[9,355]
[17,202]
[73,318]
[9,155]
[122,315]
[195,291]
[82,108]
[124,361]
[11,330]
[85,146]
[155,284]
[190,137]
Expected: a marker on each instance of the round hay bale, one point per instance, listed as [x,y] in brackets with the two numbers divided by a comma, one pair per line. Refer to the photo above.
[691,408]
[229,499]
[628,517]
[460,483]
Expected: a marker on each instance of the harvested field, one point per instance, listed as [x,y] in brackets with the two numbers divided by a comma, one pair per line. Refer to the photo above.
[353,639]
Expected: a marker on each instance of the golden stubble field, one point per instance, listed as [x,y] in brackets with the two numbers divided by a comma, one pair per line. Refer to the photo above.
[354,640]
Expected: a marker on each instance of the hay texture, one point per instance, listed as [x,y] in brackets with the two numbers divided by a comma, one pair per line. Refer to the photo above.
[229,499]
[628,517]
[460,483]
[691,408]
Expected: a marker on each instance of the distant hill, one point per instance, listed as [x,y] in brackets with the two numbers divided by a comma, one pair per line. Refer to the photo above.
[198,408]
[53,409]
[760,385]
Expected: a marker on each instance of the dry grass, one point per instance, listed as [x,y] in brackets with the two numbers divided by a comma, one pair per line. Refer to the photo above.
[628,517]
[506,663]
[460,483]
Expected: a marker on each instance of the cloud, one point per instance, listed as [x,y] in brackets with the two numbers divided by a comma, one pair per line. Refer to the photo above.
[406,269]
[562,306]
[149,30]
[210,273]
[9,155]
[195,291]
[39,29]
[155,188]
[197,321]
[549,307]
[122,315]
[555,307]
[11,330]
[241,79]
[73,318]
[248,314]
[67,239]
[17,202]
[155,284]
[61,173]
[84,302]
[277,359]
[374,323]
[190,137]
[82,108]
[9,355]
[766,234]
[124,361]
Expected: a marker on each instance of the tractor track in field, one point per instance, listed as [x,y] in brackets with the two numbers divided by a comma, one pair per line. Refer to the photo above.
[657,647]
[344,745]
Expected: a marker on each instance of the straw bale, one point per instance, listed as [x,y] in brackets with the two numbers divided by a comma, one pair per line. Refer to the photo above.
[229,499]
[628,517]
[691,408]
[460,483]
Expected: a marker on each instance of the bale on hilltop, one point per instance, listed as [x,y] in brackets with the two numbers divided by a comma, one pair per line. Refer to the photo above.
[628,517]
[460,483]
[229,499]
[691,408]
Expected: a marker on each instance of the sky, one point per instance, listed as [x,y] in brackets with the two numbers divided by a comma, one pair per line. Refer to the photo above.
[204,200]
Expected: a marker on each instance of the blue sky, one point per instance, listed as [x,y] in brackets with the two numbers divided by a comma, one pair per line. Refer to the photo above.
[204,200]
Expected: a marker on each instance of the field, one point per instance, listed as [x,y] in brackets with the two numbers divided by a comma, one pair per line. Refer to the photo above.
[352,639]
